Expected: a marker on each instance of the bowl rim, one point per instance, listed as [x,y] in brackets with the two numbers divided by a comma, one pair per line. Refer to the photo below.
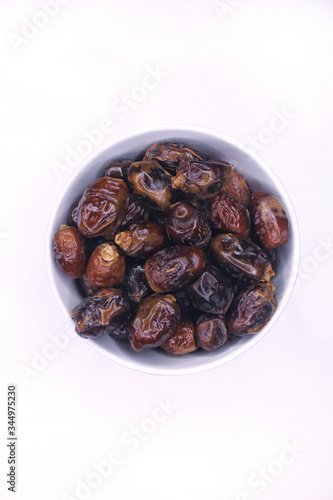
[179,128]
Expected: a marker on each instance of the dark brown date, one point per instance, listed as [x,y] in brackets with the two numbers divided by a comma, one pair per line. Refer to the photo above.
[150,181]
[136,211]
[201,178]
[229,215]
[171,154]
[212,292]
[102,207]
[85,287]
[252,309]
[119,329]
[142,239]
[270,221]
[239,189]
[211,332]
[98,314]
[182,341]
[135,282]
[69,251]
[154,322]
[185,302]
[72,216]
[174,267]
[240,257]
[106,267]
[186,224]
[118,169]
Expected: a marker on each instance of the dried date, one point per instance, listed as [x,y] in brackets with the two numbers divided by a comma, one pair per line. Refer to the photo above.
[171,154]
[182,341]
[142,239]
[106,267]
[270,221]
[211,332]
[135,283]
[229,215]
[69,251]
[186,224]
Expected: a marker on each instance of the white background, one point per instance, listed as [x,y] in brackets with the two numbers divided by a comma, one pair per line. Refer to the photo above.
[229,68]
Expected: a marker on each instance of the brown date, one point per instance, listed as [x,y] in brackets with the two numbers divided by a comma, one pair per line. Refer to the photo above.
[119,329]
[98,314]
[211,332]
[135,282]
[202,178]
[240,257]
[186,224]
[136,211]
[270,221]
[174,267]
[252,309]
[72,216]
[69,251]
[102,207]
[229,215]
[118,169]
[212,292]
[155,320]
[239,189]
[150,181]
[141,239]
[171,154]
[106,267]
[182,341]
[185,302]
[85,287]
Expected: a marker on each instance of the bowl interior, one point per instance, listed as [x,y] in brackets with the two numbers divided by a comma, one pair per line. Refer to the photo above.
[132,146]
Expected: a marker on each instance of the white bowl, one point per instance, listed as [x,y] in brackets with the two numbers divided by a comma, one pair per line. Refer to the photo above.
[216,145]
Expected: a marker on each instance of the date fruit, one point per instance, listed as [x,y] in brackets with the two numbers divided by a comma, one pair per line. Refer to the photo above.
[182,341]
[154,322]
[106,266]
[98,314]
[239,189]
[102,207]
[142,239]
[135,282]
[118,169]
[211,332]
[171,154]
[174,267]
[252,309]
[188,225]
[212,292]
[69,251]
[270,221]
[240,257]
[85,287]
[202,179]
[229,215]
[136,211]
[150,181]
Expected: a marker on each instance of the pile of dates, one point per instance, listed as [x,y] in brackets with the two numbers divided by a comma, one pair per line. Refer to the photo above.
[172,251]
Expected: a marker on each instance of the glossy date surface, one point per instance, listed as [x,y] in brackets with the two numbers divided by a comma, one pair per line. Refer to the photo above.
[270,221]
[142,239]
[228,215]
[69,251]
[152,182]
[106,266]
[211,332]
[187,225]
[182,340]
[171,154]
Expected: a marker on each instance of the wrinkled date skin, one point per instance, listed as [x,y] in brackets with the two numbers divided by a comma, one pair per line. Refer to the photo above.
[270,221]
[69,251]
[185,224]
[252,309]
[85,287]
[102,207]
[118,169]
[142,239]
[106,267]
[229,215]
[150,181]
[171,154]
[174,267]
[182,341]
[212,292]
[154,322]
[136,211]
[97,314]
[202,178]
[136,284]
[239,189]
[211,332]
[240,257]
[72,216]
[120,330]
